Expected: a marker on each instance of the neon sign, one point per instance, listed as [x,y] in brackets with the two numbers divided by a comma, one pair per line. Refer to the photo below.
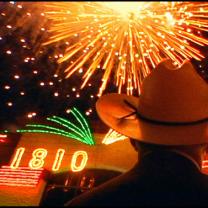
[23,176]
[17,158]
[113,136]
[78,161]
[80,130]
[75,156]
[37,161]
[57,162]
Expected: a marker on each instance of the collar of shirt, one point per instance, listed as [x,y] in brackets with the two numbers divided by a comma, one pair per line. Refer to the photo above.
[188,157]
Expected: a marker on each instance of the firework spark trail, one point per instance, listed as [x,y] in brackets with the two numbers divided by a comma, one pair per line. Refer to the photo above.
[125,40]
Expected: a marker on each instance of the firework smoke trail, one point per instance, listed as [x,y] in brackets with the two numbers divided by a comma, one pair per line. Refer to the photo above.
[125,39]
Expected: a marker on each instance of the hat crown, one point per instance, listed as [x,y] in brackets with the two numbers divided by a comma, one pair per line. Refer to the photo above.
[169,96]
[174,94]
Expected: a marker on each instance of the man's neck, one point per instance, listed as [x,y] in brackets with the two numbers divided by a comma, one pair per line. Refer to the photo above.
[181,153]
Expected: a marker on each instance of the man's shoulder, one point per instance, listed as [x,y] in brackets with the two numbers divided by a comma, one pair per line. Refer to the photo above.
[112,190]
[130,187]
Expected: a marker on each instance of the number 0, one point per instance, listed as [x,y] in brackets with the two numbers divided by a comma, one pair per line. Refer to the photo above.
[81,166]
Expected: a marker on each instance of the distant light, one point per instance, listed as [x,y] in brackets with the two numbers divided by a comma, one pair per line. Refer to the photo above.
[68,110]
[27,59]
[55,75]
[9,26]
[80,70]
[73,89]
[22,93]
[2,140]
[35,72]
[42,84]
[56,94]
[7,87]
[51,83]
[29,115]
[22,40]
[8,52]
[16,76]
[10,104]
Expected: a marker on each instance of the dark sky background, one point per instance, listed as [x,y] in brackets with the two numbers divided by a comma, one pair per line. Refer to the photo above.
[32,86]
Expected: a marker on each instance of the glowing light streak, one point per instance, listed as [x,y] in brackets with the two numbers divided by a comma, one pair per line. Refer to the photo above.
[113,136]
[15,184]
[80,132]
[37,161]
[17,158]
[58,159]
[125,40]
[205,164]
[69,125]
[81,166]
[23,176]
[48,132]
[80,118]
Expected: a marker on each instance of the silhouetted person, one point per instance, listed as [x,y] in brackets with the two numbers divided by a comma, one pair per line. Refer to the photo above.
[168,126]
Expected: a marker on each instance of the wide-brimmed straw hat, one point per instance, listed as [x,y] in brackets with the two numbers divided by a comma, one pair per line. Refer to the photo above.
[171,110]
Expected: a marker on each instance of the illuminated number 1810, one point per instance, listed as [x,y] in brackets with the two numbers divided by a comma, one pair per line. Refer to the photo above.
[39,155]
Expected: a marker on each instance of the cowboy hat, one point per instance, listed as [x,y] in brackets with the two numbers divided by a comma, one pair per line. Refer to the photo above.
[171,110]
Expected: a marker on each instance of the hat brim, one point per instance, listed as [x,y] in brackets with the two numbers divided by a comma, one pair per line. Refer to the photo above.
[111,108]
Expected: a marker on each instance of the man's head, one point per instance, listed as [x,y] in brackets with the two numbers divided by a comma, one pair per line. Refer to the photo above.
[197,152]
[172,109]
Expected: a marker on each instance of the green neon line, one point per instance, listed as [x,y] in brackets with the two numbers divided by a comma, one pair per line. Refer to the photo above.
[87,125]
[68,122]
[85,122]
[78,119]
[81,133]
[49,127]
[50,132]
[83,119]
[67,126]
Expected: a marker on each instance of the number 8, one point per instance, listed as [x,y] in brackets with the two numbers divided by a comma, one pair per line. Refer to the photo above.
[37,161]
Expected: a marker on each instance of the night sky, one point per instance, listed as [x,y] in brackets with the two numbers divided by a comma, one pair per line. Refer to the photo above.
[32,83]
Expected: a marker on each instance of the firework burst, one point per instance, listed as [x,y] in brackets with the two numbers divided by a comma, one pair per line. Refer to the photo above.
[125,40]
